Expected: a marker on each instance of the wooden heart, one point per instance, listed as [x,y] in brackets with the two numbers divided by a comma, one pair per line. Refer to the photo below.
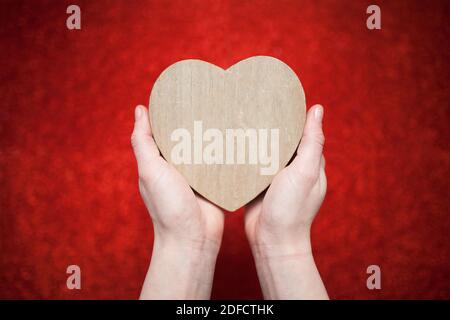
[221,128]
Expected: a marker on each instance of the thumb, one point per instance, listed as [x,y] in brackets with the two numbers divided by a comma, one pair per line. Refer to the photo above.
[309,152]
[145,149]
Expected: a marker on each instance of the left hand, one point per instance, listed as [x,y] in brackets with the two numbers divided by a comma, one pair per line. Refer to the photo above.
[187,228]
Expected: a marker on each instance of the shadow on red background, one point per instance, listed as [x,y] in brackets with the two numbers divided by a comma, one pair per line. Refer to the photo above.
[68,177]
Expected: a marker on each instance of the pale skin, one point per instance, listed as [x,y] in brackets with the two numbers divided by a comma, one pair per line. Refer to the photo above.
[188,228]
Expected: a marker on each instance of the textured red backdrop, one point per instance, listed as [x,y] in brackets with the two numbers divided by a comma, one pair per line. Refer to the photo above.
[68,176]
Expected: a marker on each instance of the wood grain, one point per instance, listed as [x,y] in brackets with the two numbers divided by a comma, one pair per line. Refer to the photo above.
[257,93]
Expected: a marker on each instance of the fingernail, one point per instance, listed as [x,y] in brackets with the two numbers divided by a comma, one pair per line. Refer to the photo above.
[318,113]
[137,112]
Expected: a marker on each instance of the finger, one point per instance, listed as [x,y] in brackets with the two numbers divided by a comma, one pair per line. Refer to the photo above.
[309,152]
[144,146]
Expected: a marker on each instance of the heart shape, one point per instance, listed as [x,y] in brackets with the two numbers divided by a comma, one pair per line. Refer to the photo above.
[221,128]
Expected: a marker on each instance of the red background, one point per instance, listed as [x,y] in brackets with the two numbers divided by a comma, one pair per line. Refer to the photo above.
[68,176]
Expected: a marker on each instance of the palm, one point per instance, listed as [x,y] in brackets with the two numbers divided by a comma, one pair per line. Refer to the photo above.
[278,209]
[173,204]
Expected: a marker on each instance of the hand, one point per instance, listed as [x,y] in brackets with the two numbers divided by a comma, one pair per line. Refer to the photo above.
[187,228]
[278,224]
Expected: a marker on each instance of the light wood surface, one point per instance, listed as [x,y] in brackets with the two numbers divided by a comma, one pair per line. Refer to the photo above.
[256,93]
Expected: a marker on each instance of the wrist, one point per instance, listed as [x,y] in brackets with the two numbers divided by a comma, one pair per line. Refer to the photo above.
[269,246]
[188,248]
[180,270]
[192,244]
[286,270]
